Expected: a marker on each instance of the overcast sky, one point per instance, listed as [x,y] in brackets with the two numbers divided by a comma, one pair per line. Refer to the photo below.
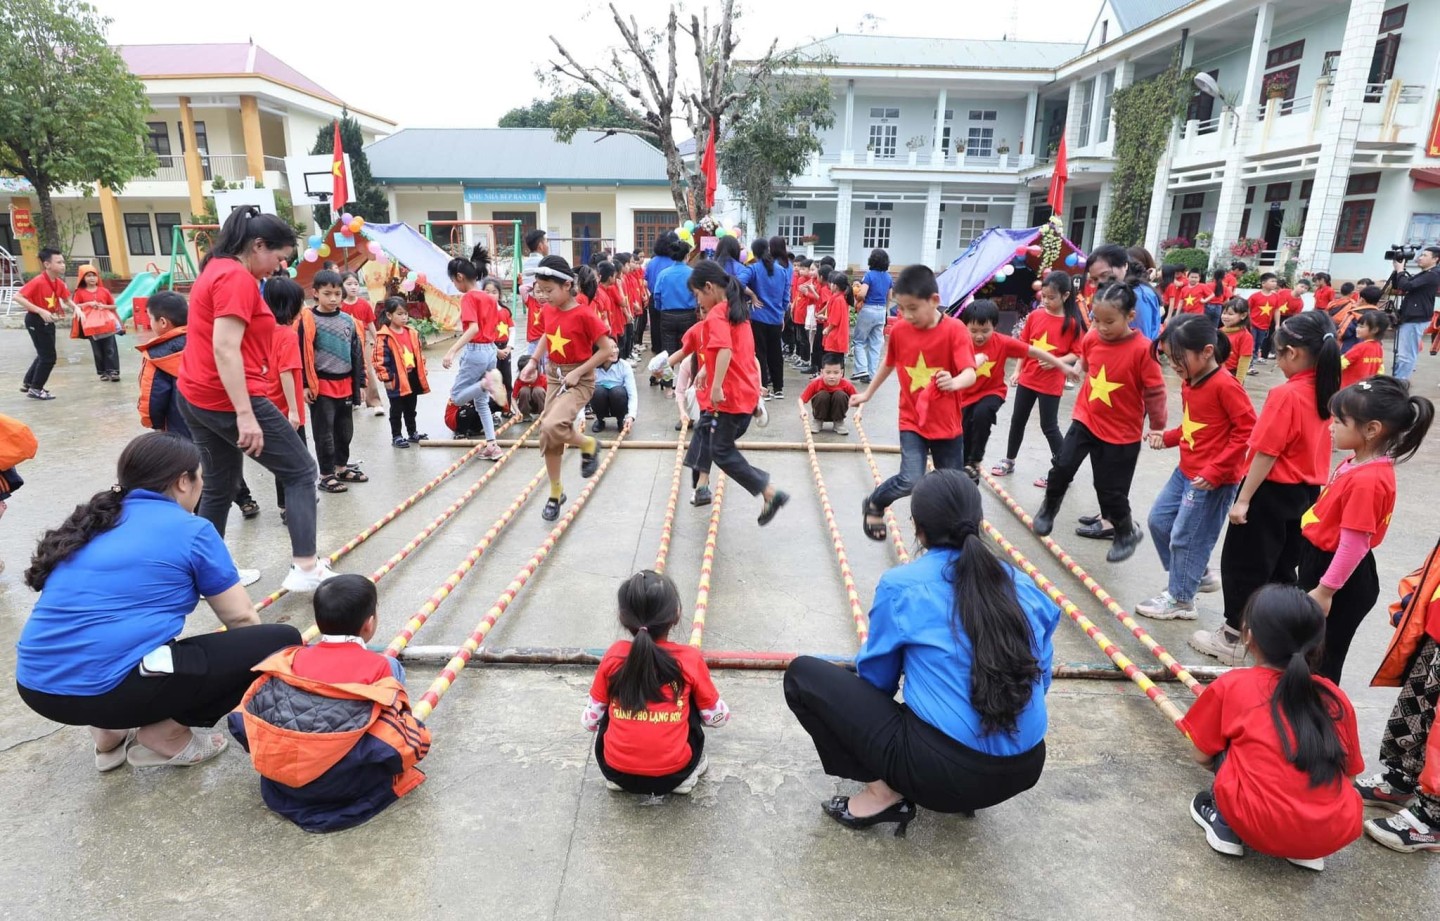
[463,63]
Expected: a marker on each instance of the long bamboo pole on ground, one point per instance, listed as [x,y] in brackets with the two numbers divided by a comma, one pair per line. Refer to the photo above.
[746,446]
[662,554]
[707,565]
[852,595]
[891,525]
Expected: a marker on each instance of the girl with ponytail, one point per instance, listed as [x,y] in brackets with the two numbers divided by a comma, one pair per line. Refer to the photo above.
[652,698]
[972,637]
[1282,740]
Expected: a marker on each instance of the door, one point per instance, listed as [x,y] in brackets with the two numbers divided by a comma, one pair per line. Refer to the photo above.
[824,237]
[585,233]
[1274,223]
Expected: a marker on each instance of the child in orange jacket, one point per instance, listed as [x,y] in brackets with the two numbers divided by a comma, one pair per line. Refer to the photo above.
[400,365]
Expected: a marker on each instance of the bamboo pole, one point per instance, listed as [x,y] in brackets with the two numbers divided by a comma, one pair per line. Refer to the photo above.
[707,565]
[852,595]
[891,525]
[668,525]
[746,446]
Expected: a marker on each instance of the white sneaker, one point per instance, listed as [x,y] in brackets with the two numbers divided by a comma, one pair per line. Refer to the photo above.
[1317,864]
[762,415]
[1210,582]
[1164,607]
[614,787]
[688,783]
[1222,644]
[249,576]
[302,580]
[815,426]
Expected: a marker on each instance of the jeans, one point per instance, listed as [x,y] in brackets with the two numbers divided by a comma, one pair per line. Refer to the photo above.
[477,359]
[1407,346]
[42,336]
[869,339]
[215,434]
[106,353]
[333,425]
[948,453]
[1185,524]
[1262,342]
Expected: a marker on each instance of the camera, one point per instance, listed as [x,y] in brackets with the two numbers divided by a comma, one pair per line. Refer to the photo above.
[1401,252]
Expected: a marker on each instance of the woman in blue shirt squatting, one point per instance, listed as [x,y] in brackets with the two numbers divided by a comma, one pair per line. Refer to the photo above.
[973,638]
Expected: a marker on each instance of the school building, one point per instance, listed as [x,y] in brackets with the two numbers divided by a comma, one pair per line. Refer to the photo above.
[600,191]
[1324,140]
[223,115]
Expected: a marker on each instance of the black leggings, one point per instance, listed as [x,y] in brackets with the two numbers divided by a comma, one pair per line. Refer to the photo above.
[402,410]
[42,336]
[610,403]
[333,426]
[644,783]
[771,354]
[106,353]
[1025,400]
[861,733]
[1347,609]
[212,673]
[1267,547]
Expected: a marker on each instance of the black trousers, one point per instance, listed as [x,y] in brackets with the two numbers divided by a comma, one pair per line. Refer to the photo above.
[1267,547]
[830,406]
[817,350]
[42,336]
[771,354]
[610,403]
[627,344]
[1113,469]
[1025,400]
[728,428]
[1347,609]
[656,345]
[697,454]
[977,420]
[861,733]
[802,343]
[645,783]
[106,353]
[672,328]
[402,410]
[279,483]
[788,331]
[333,426]
[212,673]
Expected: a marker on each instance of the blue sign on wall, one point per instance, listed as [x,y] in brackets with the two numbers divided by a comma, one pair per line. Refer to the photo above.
[485,194]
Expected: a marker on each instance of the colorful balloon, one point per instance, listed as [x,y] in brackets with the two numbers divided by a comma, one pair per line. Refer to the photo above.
[292,271]
[1000,276]
[347,217]
[1021,250]
[420,278]
[315,240]
[311,255]
[1072,260]
[323,249]
[359,221]
[407,286]
[1035,285]
[689,225]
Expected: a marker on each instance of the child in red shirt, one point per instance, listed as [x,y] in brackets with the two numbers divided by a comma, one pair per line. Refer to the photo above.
[400,363]
[835,327]
[1324,291]
[1366,359]
[1289,458]
[44,299]
[1267,308]
[99,305]
[1114,400]
[936,361]
[1235,324]
[1290,797]
[1188,515]
[652,698]
[363,311]
[828,395]
[1195,294]
[479,328]
[1384,425]
[980,404]
[529,398]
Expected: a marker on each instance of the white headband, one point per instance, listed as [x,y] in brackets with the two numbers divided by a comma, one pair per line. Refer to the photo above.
[547,272]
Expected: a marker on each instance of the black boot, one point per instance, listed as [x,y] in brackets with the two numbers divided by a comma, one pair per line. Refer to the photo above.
[1128,536]
[1044,521]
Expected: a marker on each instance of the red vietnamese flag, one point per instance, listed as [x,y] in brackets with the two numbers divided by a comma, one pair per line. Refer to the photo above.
[708,167]
[1058,178]
[341,195]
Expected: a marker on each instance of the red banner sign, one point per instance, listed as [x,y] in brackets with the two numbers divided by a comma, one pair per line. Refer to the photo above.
[21,222]
[1432,146]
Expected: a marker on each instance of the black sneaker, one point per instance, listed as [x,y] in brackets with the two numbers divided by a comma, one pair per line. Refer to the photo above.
[418,437]
[551,511]
[589,463]
[1379,791]
[768,510]
[701,496]
[1125,544]
[1220,836]
[1044,521]
[1405,832]
[599,426]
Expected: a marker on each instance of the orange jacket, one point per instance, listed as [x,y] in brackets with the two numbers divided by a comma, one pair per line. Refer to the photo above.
[159,366]
[1416,615]
[390,363]
[307,354]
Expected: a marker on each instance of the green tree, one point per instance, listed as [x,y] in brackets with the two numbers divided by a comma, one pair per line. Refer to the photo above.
[582,108]
[771,138]
[370,200]
[71,113]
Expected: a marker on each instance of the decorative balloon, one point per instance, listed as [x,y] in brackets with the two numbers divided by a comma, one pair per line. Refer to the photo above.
[1034,250]
[311,255]
[292,271]
[323,249]
[420,278]
[1072,260]
[376,250]
[1035,285]
[407,286]
[689,225]
[1021,250]
[315,240]
[358,222]
[347,217]
[1000,276]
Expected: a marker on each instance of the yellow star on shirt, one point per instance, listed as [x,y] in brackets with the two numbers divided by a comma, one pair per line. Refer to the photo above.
[985,369]
[920,374]
[1435,597]
[1189,300]
[49,301]
[1266,308]
[502,328]
[1188,428]
[1043,343]
[557,342]
[1309,517]
[335,168]
[1101,387]
[1344,363]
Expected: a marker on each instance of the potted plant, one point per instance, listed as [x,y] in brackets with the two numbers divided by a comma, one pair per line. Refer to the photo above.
[915,143]
[1004,147]
[810,239]
[1203,239]
[960,146]
[1278,86]
[1247,247]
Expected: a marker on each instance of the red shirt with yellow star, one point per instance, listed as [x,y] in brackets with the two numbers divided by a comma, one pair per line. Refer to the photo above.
[1122,379]
[1048,333]
[1267,308]
[503,327]
[569,337]
[43,292]
[1366,359]
[990,373]
[1291,431]
[1360,497]
[916,354]
[1193,298]
[1215,427]
[481,309]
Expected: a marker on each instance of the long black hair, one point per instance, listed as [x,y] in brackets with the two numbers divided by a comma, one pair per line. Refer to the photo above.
[1062,284]
[244,226]
[727,250]
[649,607]
[153,461]
[1404,416]
[1287,628]
[778,252]
[480,258]
[587,281]
[1191,332]
[946,509]
[761,249]
[708,271]
[1314,332]
[841,283]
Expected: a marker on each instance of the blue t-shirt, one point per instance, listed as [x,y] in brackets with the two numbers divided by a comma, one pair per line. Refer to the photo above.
[118,597]
[774,292]
[1147,312]
[910,632]
[880,284]
[653,268]
[672,289]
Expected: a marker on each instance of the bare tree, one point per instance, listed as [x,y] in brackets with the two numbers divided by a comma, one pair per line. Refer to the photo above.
[640,81]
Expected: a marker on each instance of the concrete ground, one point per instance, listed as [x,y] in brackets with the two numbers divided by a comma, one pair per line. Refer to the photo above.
[515,819]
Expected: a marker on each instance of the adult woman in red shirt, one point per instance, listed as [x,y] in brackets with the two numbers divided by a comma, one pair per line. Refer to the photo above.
[224,390]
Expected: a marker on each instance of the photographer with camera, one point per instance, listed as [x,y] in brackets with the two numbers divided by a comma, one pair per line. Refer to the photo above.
[1417,304]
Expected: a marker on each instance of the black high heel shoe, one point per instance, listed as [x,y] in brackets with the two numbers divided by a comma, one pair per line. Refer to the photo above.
[902,813]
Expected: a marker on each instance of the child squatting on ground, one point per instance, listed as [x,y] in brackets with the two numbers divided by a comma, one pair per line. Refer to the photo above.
[329,726]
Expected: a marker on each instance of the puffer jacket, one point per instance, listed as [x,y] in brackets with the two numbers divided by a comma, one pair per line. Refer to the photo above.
[1415,616]
[330,756]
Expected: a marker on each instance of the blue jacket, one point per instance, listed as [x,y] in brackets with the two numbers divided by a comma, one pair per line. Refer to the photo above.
[773,291]
[653,268]
[672,289]
[1147,312]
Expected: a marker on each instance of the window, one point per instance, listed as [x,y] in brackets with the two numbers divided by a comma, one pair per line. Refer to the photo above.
[158,138]
[945,132]
[1202,105]
[973,220]
[884,133]
[1424,229]
[1189,225]
[1250,195]
[649,225]
[1245,223]
[876,233]
[1279,83]
[506,235]
[983,115]
[940,230]
[165,222]
[1306,188]
[882,113]
[202,144]
[980,142]
[1354,226]
[1332,61]
[1277,191]
[1363,184]
[1382,63]
[139,238]
[1104,30]
[786,204]
[1107,92]
[1393,19]
[1285,54]
[1087,101]
[440,236]
[1192,201]
[879,206]
[792,228]
[98,242]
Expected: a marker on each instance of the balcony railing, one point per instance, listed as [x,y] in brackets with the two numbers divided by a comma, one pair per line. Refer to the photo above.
[234,169]
[927,159]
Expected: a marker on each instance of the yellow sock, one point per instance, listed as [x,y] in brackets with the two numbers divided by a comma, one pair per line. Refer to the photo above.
[557,489]
[591,444]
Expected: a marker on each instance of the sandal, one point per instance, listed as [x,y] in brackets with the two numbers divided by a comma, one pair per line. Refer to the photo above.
[202,747]
[330,483]
[1004,468]
[249,508]
[110,760]
[352,475]
[876,529]
[1042,482]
